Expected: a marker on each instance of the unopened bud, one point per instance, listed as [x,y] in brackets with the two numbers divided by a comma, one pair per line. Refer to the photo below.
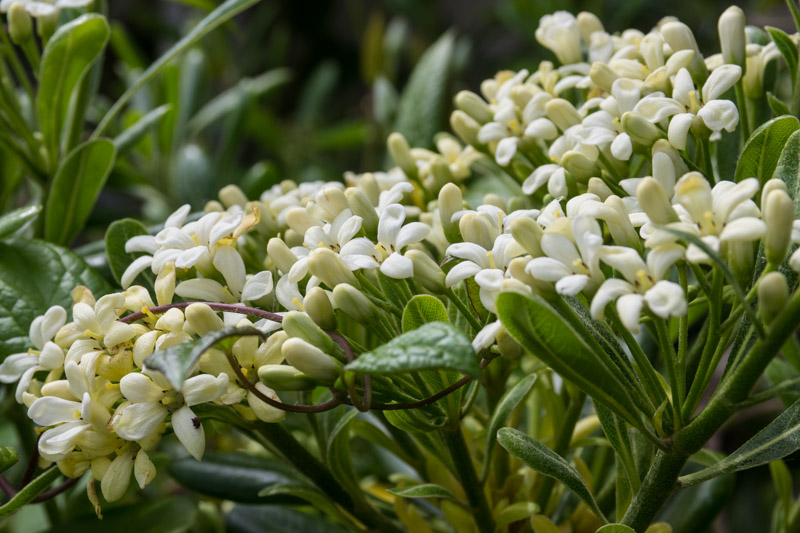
[440,170]
[328,267]
[465,127]
[46,25]
[562,113]
[640,130]
[318,306]
[361,205]
[285,377]
[598,187]
[165,283]
[300,325]
[231,195]
[311,361]
[602,76]
[778,213]
[654,202]
[732,37]
[508,347]
[202,319]
[578,164]
[281,255]
[474,106]
[680,37]
[401,154]
[264,411]
[269,351]
[353,303]
[622,231]
[450,202]
[528,233]
[20,25]
[588,23]
[426,271]
[332,200]
[299,219]
[475,228]
[773,292]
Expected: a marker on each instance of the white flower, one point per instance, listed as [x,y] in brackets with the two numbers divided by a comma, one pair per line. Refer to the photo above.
[477,258]
[334,236]
[506,128]
[560,34]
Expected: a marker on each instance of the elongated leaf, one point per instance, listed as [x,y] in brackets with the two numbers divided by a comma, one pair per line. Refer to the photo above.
[779,439]
[516,512]
[220,15]
[432,346]
[14,220]
[176,361]
[615,528]
[544,460]
[423,103]
[421,309]
[67,58]
[760,155]
[308,493]
[125,140]
[277,519]
[777,106]
[35,275]
[162,515]
[75,188]
[788,169]
[786,47]
[339,459]
[540,329]
[617,433]
[507,403]
[117,235]
[425,490]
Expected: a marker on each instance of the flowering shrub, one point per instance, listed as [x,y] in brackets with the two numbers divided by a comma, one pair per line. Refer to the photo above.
[614,300]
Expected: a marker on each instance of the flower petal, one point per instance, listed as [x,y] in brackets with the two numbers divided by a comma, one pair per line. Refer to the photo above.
[189,431]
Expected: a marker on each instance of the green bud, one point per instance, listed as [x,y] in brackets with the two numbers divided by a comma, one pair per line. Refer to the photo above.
[20,25]
[440,170]
[426,271]
[640,130]
[328,267]
[401,154]
[602,76]
[269,351]
[465,127]
[46,25]
[280,254]
[285,377]
[450,202]
[311,361]
[318,306]
[528,233]
[562,113]
[654,201]
[474,106]
[577,164]
[361,205]
[300,325]
[509,348]
[598,187]
[773,292]
[353,303]
[778,213]
[202,319]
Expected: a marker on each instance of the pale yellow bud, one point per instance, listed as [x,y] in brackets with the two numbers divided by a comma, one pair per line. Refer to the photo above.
[562,113]
[318,306]
[231,195]
[602,76]
[680,37]
[640,130]
[300,325]
[46,25]
[280,254]
[311,361]
[773,292]
[588,23]
[285,377]
[528,233]
[474,106]
[465,127]
[401,154]
[578,164]
[202,319]
[732,37]
[426,271]
[353,302]
[328,267]
[654,202]
[165,283]
[598,187]
[332,200]
[475,228]
[778,213]
[299,219]
[20,25]
[269,351]
[361,205]
[450,202]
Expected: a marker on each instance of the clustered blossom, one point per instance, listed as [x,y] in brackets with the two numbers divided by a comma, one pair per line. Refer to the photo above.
[599,152]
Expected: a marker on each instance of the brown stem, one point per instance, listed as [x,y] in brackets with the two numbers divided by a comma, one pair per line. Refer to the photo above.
[55,491]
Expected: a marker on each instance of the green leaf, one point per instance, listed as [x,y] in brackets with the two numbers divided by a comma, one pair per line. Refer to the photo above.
[782,481]
[425,490]
[615,528]
[432,346]
[617,433]
[8,458]
[415,420]
[75,188]
[760,155]
[692,510]
[540,329]
[788,169]
[163,515]
[507,403]
[236,477]
[277,519]
[128,138]
[219,16]
[424,103]
[514,513]
[780,438]
[30,491]
[35,275]
[338,452]
[308,493]
[421,309]
[777,106]
[176,361]
[786,47]
[13,220]
[544,460]
[67,58]
[117,235]
[384,101]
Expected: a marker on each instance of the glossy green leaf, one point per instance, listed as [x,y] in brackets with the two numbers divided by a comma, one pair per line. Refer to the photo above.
[117,235]
[788,169]
[14,220]
[425,490]
[514,513]
[67,57]
[615,528]
[35,275]
[421,309]
[507,403]
[75,188]
[545,333]
[435,345]
[213,20]
[30,491]
[760,155]
[162,515]
[176,361]
[780,438]
[425,99]
[8,458]
[786,47]
[128,138]
[544,460]
[339,459]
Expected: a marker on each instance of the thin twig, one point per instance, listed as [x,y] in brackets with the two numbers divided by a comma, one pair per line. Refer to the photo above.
[7,488]
[55,491]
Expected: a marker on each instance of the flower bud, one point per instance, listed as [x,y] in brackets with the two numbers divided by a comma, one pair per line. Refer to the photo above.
[528,233]
[598,186]
[20,25]
[732,37]
[680,37]
[426,271]
[353,302]
[264,411]
[475,228]
[578,164]
[46,25]
[773,292]
[361,205]
[269,352]
[640,130]
[299,219]
[562,113]
[474,106]
[588,23]
[602,76]
[401,154]
[285,377]
[654,202]
[328,267]
[450,202]
[281,255]
[465,127]
[440,170]
[202,319]
[332,200]
[311,361]
[778,214]
[318,306]
[509,348]
[300,325]
[231,195]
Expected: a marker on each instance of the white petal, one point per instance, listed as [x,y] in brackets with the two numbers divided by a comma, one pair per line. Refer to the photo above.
[411,233]
[571,285]
[622,147]
[720,115]
[492,131]
[656,109]
[118,476]
[666,299]
[202,289]
[397,266]
[139,388]
[542,128]
[118,333]
[204,388]
[610,290]
[15,365]
[506,149]
[176,219]
[134,269]
[141,243]
[629,307]
[389,224]
[189,431]
[678,130]
[190,257]
[138,420]
[143,469]
[224,228]
[56,443]
[262,409]
[661,259]
[231,265]
[257,286]
[469,251]
[50,410]
[460,272]
[720,80]
[743,229]
[547,269]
